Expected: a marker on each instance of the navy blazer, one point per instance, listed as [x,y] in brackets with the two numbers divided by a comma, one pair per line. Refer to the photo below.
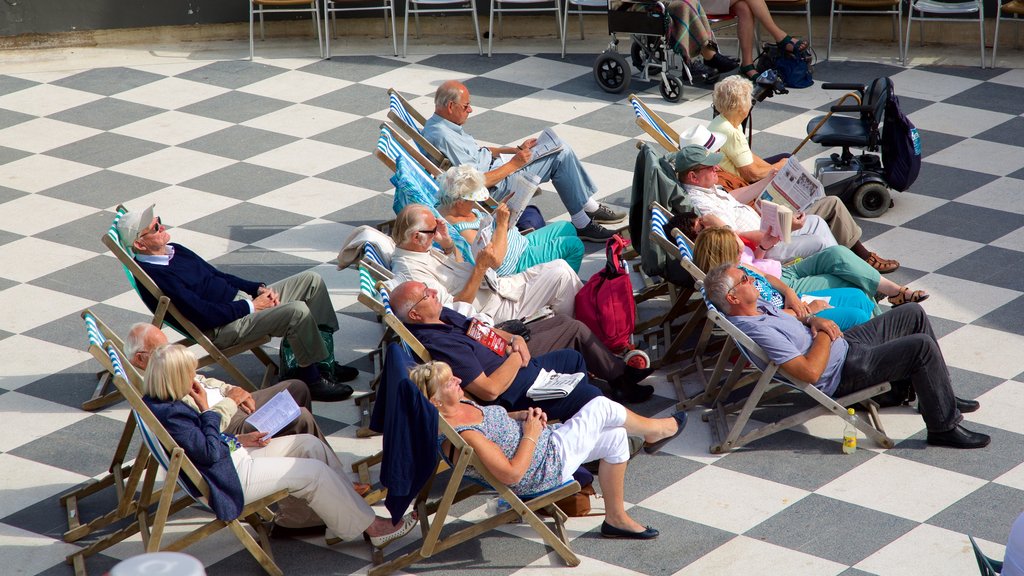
[199,436]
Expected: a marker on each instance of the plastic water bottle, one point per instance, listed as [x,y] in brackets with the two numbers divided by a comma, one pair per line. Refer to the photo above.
[850,435]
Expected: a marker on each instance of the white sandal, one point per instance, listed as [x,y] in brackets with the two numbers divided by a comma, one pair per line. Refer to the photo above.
[379,542]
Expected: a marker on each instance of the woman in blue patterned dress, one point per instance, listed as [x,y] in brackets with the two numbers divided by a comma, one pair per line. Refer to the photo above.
[522,451]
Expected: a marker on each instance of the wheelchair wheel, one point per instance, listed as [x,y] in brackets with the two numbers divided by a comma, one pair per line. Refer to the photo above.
[871,200]
[672,88]
[612,72]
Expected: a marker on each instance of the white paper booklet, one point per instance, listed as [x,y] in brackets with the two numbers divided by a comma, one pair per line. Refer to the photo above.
[550,385]
[273,416]
[547,143]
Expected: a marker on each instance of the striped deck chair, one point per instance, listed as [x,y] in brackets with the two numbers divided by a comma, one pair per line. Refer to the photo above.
[182,475]
[772,382]
[435,513]
[408,120]
[165,312]
[123,477]
[653,124]
[391,145]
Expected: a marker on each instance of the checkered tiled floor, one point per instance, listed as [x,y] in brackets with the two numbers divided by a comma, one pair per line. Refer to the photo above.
[264,167]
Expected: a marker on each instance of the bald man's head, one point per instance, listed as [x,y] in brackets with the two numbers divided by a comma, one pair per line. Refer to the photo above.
[142,339]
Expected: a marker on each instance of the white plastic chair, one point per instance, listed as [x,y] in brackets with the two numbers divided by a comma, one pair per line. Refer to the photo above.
[261,7]
[939,11]
[870,7]
[439,7]
[580,7]
[1014,9]
[332,7]
[533,6]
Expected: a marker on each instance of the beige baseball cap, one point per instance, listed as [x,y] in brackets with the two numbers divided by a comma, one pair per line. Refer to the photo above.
[132,224]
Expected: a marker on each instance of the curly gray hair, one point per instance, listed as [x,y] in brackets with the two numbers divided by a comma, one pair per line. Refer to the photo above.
[731,93]
[460,182]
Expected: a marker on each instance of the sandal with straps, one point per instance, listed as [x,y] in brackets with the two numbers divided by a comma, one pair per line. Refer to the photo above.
[883,265]
[905,295]
[792,45]
[746,70]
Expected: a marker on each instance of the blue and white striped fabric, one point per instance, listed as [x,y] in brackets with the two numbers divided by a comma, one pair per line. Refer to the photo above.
[385,299]
[658,221]
[389,147]
[372,253]
[92,331]
[396,105]
[643,115]
[684,248]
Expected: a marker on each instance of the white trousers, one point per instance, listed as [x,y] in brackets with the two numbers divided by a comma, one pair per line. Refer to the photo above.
[553,284]
[596,432]
[309,470]
[813,237]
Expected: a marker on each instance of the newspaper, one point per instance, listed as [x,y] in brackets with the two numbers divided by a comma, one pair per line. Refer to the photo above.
[792,186]
[776,220]
[273,416]
[551,385]
[809,299]
[523,187]
[547,143]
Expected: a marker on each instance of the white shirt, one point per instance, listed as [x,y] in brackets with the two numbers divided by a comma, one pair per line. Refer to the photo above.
[718,201]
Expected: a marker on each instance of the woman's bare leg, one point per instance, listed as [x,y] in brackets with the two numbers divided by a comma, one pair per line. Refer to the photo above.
[652,429]
[744,32]
[612,478]
[760,11]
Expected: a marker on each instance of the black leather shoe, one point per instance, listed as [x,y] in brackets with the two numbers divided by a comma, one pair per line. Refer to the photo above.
[345,373]
[965,406]
[609,531]
[721,62]
[959,437]
[327,390]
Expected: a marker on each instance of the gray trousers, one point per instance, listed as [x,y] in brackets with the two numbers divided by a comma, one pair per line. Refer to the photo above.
[561,332]
[305,306]
[832,210]
[900,346]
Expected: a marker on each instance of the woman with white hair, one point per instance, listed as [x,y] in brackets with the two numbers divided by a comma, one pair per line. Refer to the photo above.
[250,466]
[463,186]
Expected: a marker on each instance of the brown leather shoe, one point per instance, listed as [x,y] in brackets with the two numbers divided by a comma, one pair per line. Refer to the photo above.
[883,265]
[361,488]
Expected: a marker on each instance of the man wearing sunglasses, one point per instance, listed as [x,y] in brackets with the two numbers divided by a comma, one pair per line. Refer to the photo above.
[562,168]
[898,347]
[231,310]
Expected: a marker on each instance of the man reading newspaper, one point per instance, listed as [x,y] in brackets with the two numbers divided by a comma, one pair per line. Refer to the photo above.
[844,229]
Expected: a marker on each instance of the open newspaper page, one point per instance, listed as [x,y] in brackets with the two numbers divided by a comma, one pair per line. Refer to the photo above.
[547,143]
[550,385]
[519,198]
[794,187]
[483,235]
[273,416]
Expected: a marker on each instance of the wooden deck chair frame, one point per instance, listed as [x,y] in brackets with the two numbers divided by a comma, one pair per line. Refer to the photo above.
[165,453]
[412,122]
[167,312]
[773,378]
[433,543]
[656,127]
[124,477]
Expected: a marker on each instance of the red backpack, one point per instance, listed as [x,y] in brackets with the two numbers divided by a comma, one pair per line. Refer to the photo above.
[605,303]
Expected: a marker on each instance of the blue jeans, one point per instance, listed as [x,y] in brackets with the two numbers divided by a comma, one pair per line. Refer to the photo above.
[899,347]
[563,169]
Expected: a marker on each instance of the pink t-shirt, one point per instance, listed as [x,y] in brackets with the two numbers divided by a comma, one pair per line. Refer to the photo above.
[766,265]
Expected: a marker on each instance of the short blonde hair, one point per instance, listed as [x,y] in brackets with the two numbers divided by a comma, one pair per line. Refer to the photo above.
[732,92]
[408,222]
[172,367]
[430,376]
[460,182]
[714,247]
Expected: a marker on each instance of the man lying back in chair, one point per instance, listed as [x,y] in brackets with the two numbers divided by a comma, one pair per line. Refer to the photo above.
[232,310]
[552,284]
[234,404]
[443,332]
[898,346]
[444,130]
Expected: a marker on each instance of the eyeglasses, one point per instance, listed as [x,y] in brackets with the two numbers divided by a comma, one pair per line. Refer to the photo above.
[465,106]
[745,279]
[156,228]
[426,293]
[430,232]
